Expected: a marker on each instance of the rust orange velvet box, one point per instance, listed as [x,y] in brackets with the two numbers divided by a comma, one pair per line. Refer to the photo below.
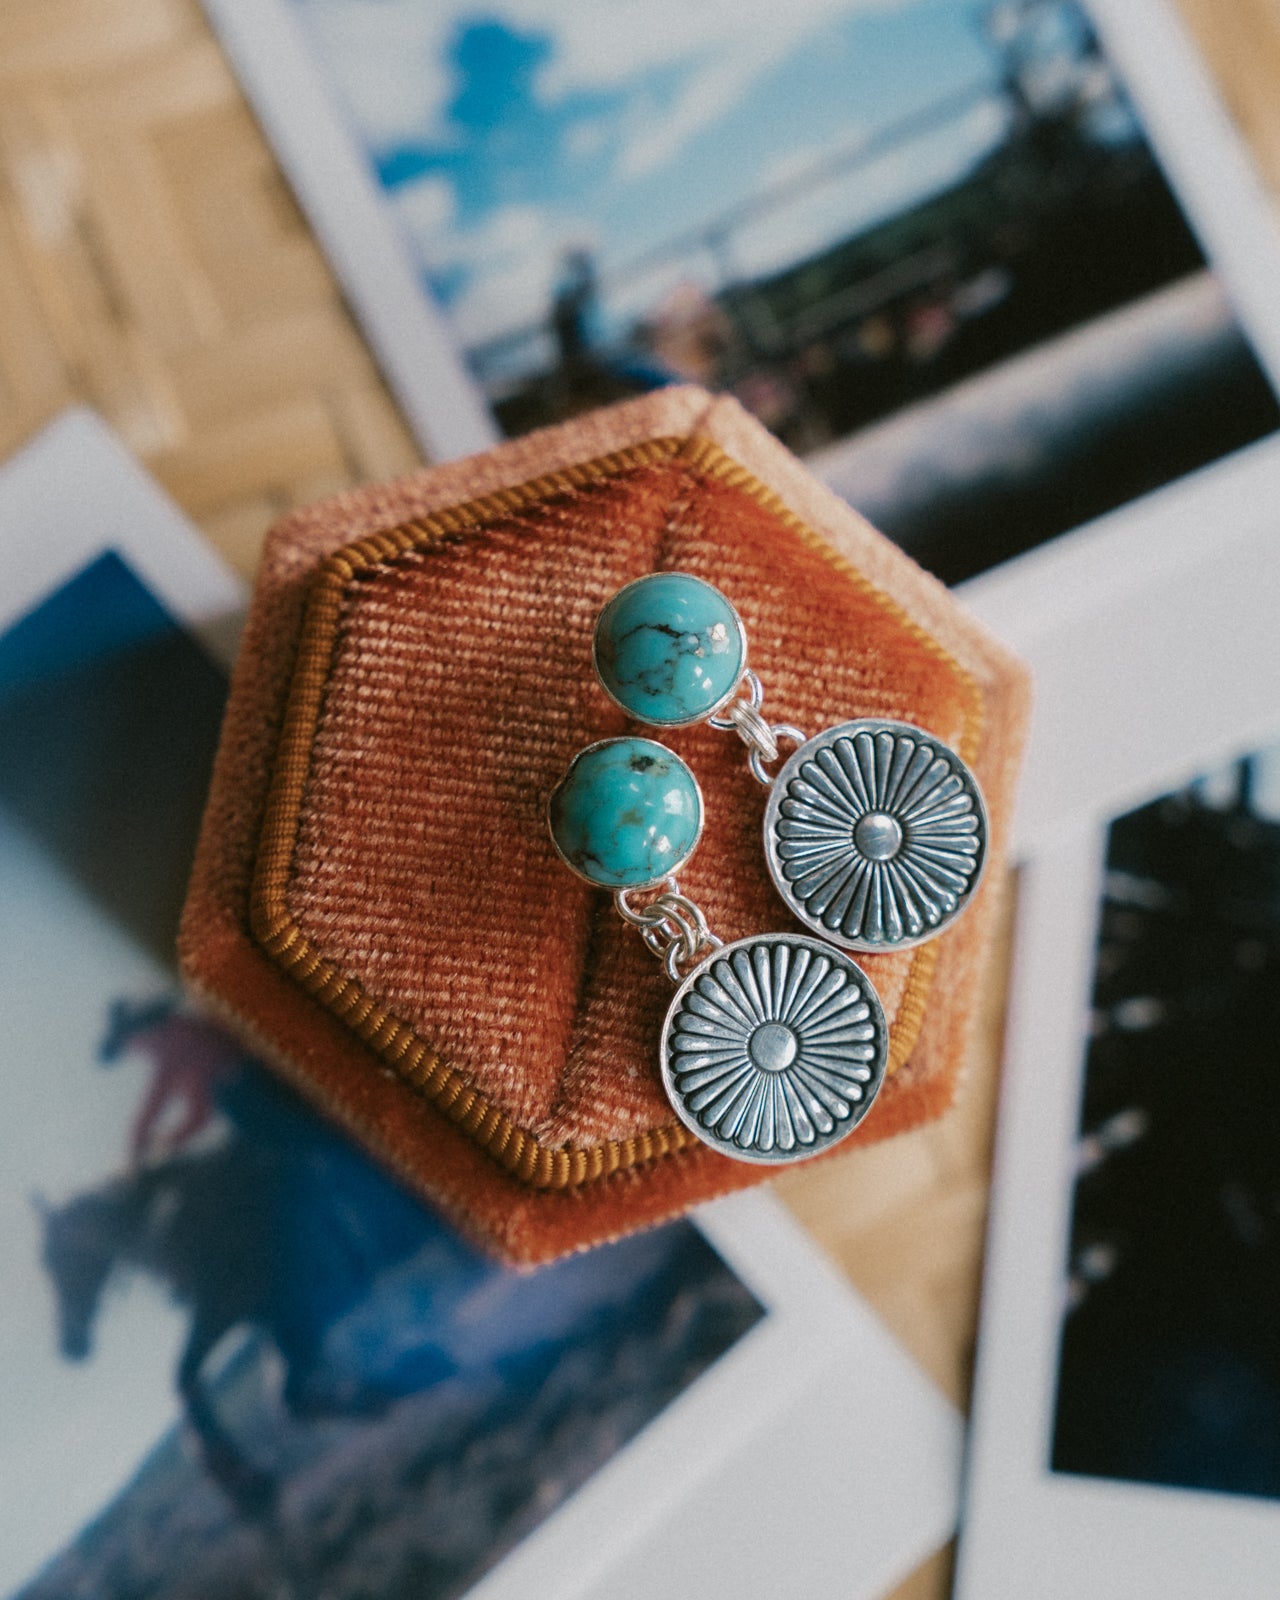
[376,903]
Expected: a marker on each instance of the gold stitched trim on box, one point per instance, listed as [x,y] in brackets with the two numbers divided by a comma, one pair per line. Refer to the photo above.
[393,1040]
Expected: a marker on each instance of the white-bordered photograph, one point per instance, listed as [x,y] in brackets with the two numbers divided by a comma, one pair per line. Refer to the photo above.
[240,1358]
[1127,1403]
[994,270]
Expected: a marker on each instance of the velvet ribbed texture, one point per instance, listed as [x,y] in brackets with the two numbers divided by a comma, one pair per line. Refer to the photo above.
[454,685]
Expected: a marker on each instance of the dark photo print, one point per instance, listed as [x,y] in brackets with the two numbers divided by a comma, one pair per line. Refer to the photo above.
[927,243]
[1170,1352]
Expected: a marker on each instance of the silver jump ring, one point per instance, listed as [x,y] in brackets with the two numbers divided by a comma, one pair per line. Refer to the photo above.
[754,731]
[659,938]
[754,700]
[693,923]
[676,957]
[756,760]
[648,916]
[679,904]
[673,929]
[683,923]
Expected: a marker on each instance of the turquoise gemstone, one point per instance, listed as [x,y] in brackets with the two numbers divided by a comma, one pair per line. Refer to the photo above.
[627,812]
[670,649]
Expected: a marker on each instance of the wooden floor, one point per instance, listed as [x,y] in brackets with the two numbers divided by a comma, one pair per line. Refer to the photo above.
[154,265]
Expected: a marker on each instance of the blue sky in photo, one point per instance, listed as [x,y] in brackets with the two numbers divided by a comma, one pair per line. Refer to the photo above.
[507,132]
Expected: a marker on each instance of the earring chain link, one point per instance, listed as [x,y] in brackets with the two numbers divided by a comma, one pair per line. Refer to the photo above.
[672,925]
[743,716]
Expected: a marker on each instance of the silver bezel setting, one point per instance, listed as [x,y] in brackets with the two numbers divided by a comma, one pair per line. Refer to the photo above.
[685,722]
[673,867]
[931,875]
[806,1011]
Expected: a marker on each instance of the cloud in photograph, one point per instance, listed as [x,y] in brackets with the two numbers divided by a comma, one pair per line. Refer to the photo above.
[498,273]
[719,49]
[499,131]
[390,58]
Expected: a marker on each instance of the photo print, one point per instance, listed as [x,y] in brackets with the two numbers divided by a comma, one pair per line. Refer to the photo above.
[927,242]
[1169,1362]
[239,1358]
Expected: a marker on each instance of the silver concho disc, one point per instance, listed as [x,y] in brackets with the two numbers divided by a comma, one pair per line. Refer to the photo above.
[875,835]
[774,1048]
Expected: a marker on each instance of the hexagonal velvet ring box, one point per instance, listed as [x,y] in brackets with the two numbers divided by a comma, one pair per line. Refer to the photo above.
[376,904]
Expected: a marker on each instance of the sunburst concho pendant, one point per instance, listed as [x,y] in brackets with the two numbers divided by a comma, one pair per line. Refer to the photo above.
[875,834]
[774,1048]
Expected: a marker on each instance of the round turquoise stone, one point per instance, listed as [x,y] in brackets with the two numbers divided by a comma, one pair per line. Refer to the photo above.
[670,649]
[627,812]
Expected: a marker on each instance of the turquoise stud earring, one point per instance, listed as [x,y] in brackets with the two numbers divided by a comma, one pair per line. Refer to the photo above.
[626,815]
[875,832]
[775,1046]
[670,650]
